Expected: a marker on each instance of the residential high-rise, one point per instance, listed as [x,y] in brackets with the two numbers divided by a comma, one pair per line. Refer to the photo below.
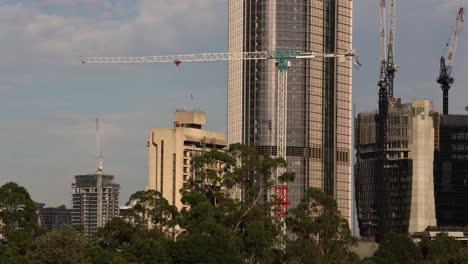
[170,153]
[451,170]
[85,201]
[398,194]
[319,90]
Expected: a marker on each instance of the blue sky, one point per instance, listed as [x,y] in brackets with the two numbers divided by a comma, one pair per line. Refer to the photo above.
[49,100]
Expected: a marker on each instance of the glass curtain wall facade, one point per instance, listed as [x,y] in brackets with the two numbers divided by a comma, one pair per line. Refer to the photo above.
[451,170]
[319,90]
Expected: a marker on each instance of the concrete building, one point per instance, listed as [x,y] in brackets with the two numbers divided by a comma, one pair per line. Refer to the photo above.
[170,151]
[85,201]
[451,170]
[54,217]
[318,96]
[399,198]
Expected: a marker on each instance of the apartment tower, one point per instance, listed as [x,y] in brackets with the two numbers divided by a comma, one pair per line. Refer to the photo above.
[319,90]
[85,201]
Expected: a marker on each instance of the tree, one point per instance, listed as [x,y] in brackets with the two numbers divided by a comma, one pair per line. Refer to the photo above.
[153,248]
[94,254]
[221,228]
[443,249]
[116,234]
[18,216]
[10,254]
[63,246]
[319,233]
[150,209]
[396,248]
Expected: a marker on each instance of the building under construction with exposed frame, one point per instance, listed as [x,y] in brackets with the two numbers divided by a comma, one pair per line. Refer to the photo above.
[85,201]
[394,192]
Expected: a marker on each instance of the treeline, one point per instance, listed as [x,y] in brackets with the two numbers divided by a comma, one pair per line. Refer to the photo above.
[213,227]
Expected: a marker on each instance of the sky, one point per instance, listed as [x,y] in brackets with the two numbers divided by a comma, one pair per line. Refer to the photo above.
[49,100]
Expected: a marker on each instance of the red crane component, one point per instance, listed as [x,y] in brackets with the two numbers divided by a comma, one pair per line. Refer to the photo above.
[281,203]
[177,62]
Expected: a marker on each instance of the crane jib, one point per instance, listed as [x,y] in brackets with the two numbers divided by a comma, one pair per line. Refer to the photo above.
[213,57]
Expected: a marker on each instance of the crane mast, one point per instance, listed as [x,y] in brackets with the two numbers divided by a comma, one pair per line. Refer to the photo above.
[391,67]
[99,176]
[382,39]
[445,78]
[383,94]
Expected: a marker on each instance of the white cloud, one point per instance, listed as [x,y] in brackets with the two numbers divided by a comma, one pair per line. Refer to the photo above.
[32,36]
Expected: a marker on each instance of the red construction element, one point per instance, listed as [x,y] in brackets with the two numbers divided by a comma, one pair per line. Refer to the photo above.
[177,62]
[281,203]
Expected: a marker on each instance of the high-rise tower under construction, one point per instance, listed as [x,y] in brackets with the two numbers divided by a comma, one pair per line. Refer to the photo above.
[319,90]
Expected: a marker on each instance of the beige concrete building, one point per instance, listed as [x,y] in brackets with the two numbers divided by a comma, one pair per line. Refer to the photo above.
[319,91]
[399,198]
[170,152]
[421,146]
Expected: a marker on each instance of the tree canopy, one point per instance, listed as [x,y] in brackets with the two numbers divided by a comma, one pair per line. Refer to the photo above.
[228,217]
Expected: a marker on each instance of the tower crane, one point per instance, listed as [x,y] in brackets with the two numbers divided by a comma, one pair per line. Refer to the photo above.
[446,63]
[391,67]
[383,80]
[282,59]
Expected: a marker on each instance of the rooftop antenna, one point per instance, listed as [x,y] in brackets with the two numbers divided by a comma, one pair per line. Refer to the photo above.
[99,175]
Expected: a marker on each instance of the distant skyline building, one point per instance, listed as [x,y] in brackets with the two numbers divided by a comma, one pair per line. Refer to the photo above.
[400,197]
[54,217]
[85,201]
[170,153]
[451,170]
[319,91]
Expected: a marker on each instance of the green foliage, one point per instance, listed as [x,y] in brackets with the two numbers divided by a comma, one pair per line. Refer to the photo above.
[116,234]
[151,209]
[97,255]
[152,249]
[239,230]
[63,246]
[10,254]
[216,225]
[320,234]
[18,213]
[443,249]
[397,248]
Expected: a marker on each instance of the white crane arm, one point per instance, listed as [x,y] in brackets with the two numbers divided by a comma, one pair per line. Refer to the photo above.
[212,57]
[453,44]
[202,57]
